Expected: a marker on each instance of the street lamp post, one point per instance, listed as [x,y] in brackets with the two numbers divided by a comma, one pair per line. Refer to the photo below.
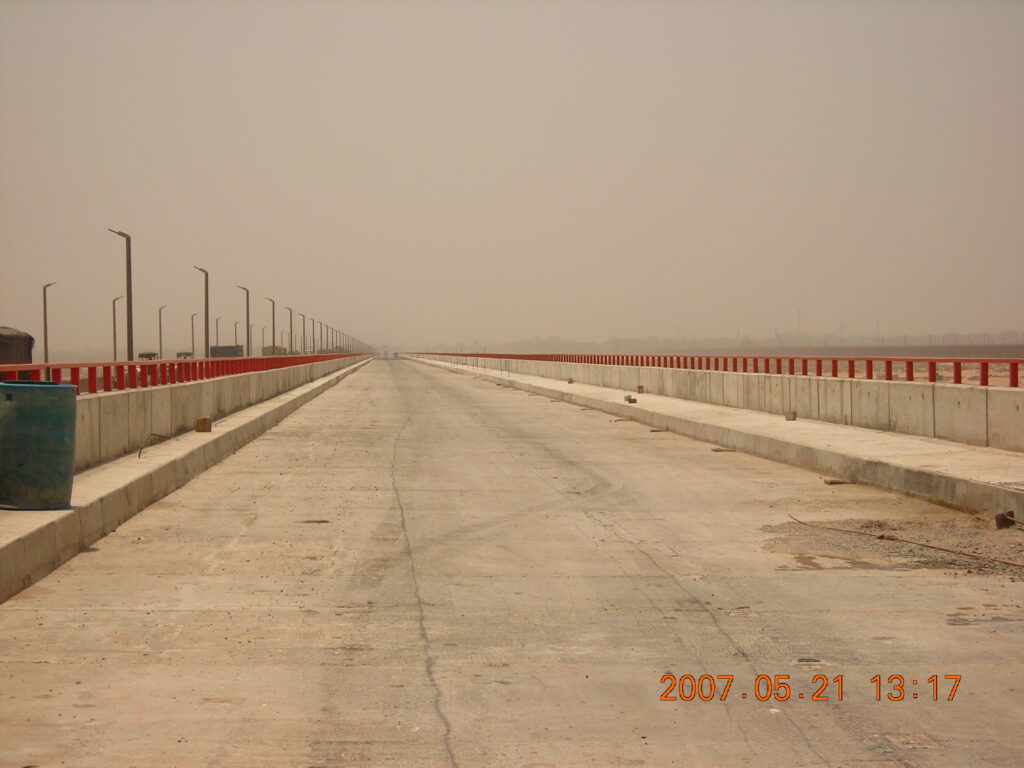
[263,332]
[248,325]
[303,350]
[206,312]
[128,289]
[273,321]
[321,335]
[218,332]
[236,333]
[46,330]
[114,312]
[291,332]
[160,325]
[194,335]
[312,335]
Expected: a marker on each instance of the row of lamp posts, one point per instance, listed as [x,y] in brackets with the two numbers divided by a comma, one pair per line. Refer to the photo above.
[335,337]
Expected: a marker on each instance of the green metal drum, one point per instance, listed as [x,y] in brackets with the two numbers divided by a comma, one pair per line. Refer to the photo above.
[37,444]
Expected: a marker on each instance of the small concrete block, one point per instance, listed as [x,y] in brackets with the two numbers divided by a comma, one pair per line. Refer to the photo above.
[1006,418]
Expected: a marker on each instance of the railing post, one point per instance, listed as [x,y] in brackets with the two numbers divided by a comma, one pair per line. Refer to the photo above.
[931,371]
[851,368]
[91,374]
[909,365]
[1014,373]
[984,374]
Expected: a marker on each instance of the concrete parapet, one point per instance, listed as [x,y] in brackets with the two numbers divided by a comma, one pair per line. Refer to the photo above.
[912,409]
[776,394]
[803,397]
[112,424]
[961,413]
[870,405]
[1006,418]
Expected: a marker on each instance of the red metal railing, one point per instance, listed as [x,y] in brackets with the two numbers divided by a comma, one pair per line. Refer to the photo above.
[981,371]
[117,375]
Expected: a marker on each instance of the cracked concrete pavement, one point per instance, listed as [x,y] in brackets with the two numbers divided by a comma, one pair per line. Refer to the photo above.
[419,568]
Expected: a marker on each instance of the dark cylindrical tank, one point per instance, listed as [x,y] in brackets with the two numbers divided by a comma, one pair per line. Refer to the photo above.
[15,346]
[37,444]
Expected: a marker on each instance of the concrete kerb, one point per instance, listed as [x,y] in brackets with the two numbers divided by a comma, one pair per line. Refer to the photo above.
[964,493]
[33,543]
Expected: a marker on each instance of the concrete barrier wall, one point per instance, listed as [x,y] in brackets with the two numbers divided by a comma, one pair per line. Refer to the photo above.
[112,424]
[987,416]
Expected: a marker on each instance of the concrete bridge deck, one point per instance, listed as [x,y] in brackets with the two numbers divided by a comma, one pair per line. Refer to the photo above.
[418,568]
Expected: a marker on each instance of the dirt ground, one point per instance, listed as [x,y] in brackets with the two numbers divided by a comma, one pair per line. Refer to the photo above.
[819,548]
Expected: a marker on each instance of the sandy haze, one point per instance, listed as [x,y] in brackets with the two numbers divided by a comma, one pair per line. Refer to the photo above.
[442,173]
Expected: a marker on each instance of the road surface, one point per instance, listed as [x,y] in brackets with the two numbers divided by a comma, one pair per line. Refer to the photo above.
[423,569]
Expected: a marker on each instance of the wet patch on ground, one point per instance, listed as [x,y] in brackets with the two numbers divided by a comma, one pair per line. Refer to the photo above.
[814,548]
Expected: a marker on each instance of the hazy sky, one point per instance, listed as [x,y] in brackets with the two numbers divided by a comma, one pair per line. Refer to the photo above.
[427,172]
